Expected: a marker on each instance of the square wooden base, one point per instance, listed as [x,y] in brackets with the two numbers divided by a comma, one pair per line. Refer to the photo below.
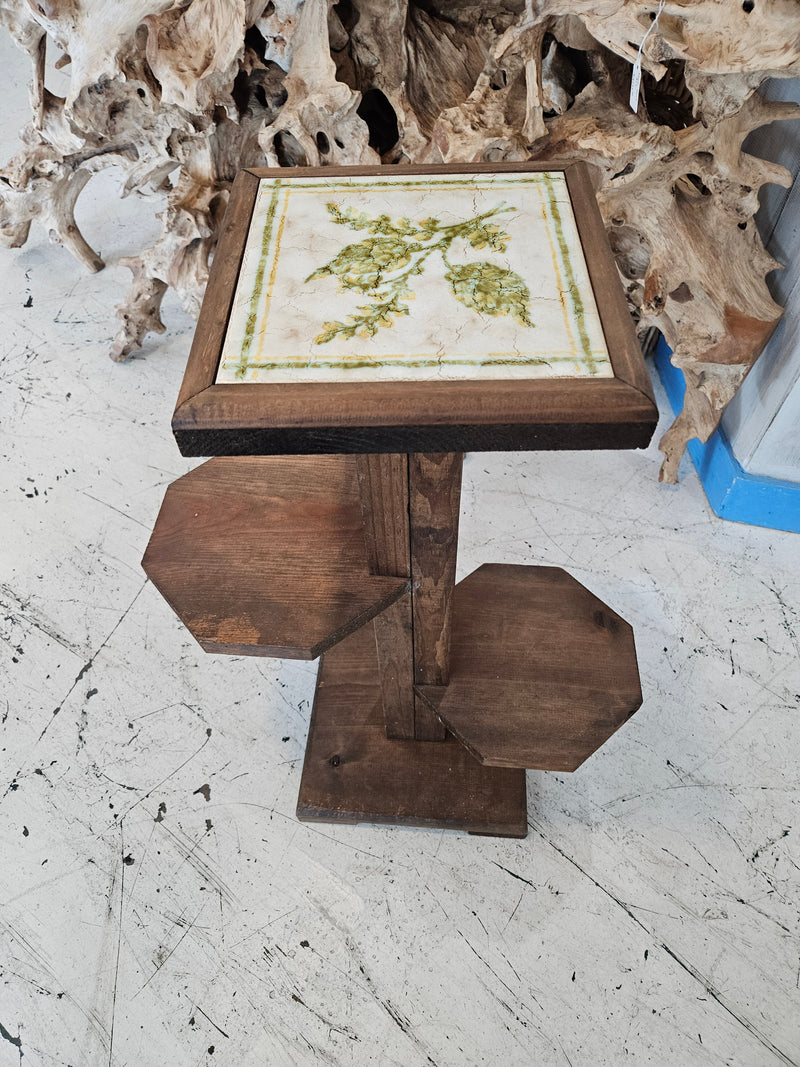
[354,773]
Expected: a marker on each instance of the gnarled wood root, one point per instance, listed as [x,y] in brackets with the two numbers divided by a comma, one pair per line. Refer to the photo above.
[180,95]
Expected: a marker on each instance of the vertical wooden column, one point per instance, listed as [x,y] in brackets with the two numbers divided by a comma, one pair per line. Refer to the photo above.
[410,506]
[434,482]
[383,486]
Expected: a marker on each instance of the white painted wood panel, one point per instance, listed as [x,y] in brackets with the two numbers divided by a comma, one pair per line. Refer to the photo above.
[778,452]
[763,435]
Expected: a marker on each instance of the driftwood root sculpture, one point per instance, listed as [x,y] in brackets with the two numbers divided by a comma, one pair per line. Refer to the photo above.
[181,95]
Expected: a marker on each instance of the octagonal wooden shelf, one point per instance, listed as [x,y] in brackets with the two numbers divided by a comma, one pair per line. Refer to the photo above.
[541,672]
[266,556]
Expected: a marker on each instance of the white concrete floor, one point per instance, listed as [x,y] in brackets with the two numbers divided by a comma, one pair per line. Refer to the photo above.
[160,904]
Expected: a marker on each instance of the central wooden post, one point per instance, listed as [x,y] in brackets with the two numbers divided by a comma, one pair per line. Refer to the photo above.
[369,756]
[410,507]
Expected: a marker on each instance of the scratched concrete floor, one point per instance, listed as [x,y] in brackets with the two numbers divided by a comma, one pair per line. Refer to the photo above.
[160,905]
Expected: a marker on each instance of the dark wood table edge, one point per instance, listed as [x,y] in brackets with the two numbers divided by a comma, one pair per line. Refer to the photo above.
[279,441]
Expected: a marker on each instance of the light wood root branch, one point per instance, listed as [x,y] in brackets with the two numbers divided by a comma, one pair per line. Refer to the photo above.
[178,96]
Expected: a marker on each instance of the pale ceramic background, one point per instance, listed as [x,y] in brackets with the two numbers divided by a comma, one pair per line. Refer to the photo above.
[291,311]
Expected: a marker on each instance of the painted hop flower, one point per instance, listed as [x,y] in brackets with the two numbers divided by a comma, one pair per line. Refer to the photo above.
[362,266]
[491,290]
[382,265]
[488,234]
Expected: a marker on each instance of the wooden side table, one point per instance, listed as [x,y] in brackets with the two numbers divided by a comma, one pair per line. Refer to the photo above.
[361,330]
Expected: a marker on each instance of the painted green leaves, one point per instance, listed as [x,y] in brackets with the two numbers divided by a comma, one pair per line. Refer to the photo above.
[491,290]
[382,265]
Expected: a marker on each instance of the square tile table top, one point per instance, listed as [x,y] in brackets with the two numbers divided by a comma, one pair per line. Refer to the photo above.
[413,309]
[413,278]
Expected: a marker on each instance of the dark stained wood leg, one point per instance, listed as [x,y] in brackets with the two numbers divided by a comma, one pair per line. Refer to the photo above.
[367,757]
[434,500]
[394,643]
[410,507]
[383,488]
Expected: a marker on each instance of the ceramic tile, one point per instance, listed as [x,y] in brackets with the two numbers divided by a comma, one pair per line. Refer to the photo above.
[413,277]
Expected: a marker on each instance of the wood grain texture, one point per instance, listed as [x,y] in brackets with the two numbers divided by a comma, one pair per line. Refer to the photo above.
[616,320]
[434,499]
[410,506]
[258,419]
[434,483]
[266,556]
[394,644]
[383,489]
[222,421]
[223,276]
[383,486]
[542,672]
[353,773]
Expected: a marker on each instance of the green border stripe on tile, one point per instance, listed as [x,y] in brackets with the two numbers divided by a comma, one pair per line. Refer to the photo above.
[575,296]
[357,363]
[358,184]
[255,297]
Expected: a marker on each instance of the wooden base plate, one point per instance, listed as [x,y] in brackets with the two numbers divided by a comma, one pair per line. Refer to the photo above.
[353,773]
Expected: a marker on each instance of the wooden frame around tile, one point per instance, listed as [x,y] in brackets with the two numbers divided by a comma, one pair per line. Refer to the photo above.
[557,413]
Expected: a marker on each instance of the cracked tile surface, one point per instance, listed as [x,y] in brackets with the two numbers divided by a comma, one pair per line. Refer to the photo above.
[441,276]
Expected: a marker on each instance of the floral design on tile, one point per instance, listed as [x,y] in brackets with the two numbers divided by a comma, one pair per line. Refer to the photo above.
[397,277]
[383,265]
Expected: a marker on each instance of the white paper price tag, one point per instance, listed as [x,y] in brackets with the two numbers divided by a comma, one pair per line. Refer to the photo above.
[636,81]
[636,73]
